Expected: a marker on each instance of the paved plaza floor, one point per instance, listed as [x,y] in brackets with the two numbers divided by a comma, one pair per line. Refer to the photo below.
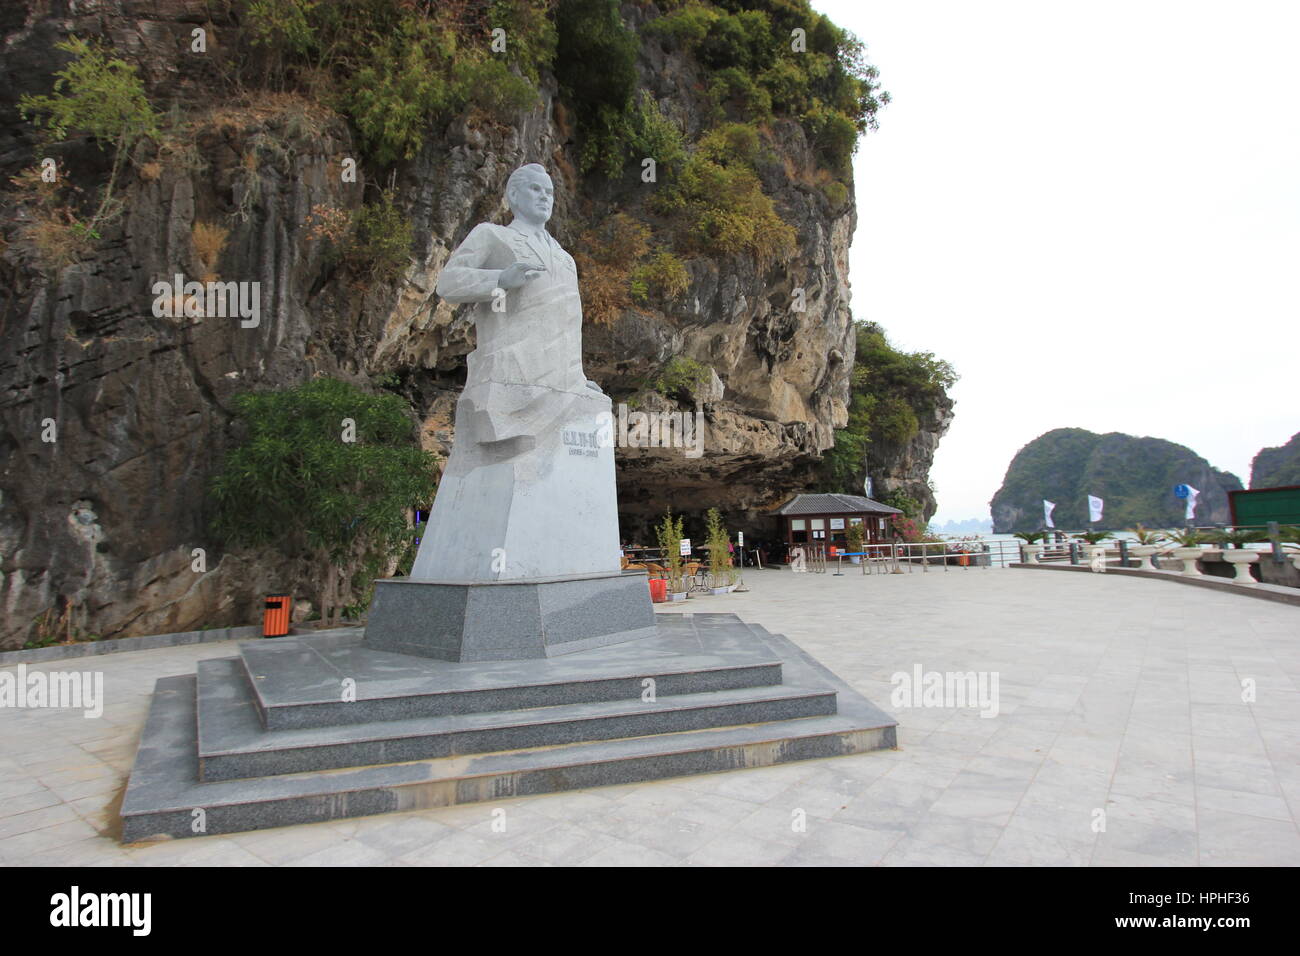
[1122,738]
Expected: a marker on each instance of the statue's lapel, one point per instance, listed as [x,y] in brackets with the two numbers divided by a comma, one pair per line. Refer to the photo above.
[521,244]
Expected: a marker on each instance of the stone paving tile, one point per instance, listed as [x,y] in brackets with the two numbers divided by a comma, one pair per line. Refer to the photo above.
[402,833]
[1150,839]
[1135,708]
[1019,846]
[456,849]
[727,850]
[1235,839]
[834,844]
[287,845]
[565,844]
[623,853]
[909,851]
[346,853]
[30,845]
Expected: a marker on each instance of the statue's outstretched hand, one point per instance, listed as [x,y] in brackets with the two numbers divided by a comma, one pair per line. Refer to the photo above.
[517,273]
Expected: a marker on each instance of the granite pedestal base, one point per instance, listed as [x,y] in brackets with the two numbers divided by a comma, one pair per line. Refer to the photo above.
[509,620]
[268,739]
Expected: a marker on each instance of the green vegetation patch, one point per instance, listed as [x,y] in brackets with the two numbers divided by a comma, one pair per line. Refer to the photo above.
[393,66]
[326,470]
[890,392]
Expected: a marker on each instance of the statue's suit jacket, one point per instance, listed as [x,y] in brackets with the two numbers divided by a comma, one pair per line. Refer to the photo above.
[529,336]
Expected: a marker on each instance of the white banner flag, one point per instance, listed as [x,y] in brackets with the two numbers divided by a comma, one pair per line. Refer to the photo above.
[1048,507]
[1192,495]
[1094,508]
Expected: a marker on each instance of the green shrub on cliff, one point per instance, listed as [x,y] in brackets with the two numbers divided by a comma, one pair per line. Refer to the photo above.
[379,248]
[595,64]
[718,202]
[750,53]
[103,97]
[656,136]
[324,470]
[95,94]
[910,507]
[687,26]
[890,392]
[681,374]
[664,274]
[394,65]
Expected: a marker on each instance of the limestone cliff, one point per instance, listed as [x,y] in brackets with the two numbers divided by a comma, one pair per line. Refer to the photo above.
[1275,467]
[106,525]
[904,469]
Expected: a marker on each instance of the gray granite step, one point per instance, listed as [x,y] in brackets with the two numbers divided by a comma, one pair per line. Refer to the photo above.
[166,798]
[302,682]
[233,743]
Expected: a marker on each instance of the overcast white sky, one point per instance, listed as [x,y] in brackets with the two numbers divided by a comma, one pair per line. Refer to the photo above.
[1108,190]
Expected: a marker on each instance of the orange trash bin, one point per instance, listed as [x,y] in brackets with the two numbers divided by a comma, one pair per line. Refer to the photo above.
[658,590]
[275,618]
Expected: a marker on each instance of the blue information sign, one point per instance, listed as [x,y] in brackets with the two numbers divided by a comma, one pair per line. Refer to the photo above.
[1181,491]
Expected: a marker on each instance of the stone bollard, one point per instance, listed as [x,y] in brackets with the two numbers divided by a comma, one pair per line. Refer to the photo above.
[1241,560]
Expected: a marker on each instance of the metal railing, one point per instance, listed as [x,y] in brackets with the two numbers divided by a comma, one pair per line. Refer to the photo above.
[906,558]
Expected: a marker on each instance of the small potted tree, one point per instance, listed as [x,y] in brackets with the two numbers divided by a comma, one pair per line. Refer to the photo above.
[1148,545]
[856,538]
[669,533]
[1031,546]
[719,553]
[1094,541]
[1187,547]
[1236,553]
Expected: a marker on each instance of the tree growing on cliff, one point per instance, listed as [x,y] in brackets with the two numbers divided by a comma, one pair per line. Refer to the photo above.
[890,393]
[103,97]
[327,470]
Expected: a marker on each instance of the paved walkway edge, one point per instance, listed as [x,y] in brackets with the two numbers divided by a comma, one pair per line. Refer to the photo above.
[148,642]
[1269,592]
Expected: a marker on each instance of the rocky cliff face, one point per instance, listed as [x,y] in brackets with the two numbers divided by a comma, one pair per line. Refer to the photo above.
[1275,467]
[105,525]
[1134,476]
[905,469]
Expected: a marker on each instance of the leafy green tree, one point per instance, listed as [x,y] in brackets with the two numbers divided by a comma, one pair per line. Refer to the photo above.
[669,534]
[890,392]
[379,247]
[719,543]
[856,537]
[327,470]
[101,96]
[910,507]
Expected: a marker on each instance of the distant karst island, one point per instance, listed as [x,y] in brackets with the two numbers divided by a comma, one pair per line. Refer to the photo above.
[1276,467]
[1135,477]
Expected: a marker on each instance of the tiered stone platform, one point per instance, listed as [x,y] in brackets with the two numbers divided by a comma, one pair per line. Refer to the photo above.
[306,729]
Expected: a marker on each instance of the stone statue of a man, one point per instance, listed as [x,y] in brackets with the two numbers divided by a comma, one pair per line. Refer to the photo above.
[529,488]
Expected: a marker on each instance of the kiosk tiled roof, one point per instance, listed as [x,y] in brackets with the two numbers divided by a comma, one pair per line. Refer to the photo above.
[833,505]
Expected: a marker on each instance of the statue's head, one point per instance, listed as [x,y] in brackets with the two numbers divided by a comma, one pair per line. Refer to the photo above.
[530,194]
